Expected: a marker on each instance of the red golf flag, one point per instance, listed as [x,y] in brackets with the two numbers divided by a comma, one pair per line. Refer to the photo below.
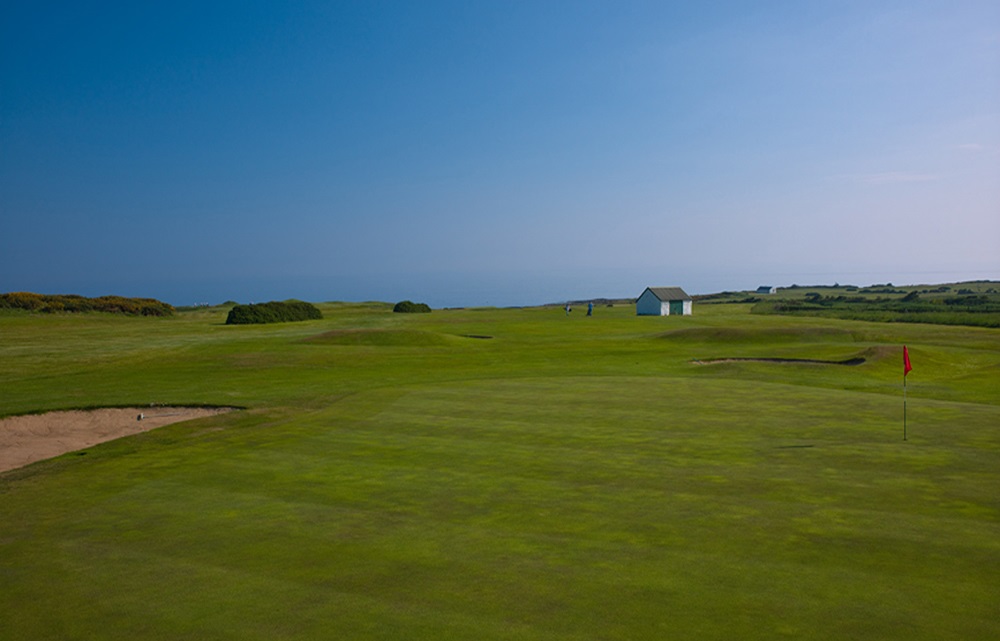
[906,361]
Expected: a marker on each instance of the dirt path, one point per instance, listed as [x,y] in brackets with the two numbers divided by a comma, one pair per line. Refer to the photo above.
[26,439]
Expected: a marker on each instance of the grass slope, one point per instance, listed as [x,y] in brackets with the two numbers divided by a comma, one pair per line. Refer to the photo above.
[568,478]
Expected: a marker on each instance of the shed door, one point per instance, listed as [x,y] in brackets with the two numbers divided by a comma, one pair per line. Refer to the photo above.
[677,307]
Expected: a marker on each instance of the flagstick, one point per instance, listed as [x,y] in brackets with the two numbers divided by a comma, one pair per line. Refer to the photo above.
[904,407]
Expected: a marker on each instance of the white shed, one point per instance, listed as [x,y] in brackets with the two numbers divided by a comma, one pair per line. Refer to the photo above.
[663,301]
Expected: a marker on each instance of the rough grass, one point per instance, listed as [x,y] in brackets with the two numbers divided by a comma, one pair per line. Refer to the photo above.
[571,478]
[973,303]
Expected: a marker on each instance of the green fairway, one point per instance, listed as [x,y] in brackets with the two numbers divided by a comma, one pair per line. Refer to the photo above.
[507,474]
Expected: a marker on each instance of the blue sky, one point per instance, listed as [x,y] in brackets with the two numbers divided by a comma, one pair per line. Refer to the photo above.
[495,153]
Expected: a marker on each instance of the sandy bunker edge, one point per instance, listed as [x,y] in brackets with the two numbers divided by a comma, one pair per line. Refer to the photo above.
[29,438]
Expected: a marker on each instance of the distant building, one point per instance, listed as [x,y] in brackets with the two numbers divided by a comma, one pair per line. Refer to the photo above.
[663,301]
[767,289]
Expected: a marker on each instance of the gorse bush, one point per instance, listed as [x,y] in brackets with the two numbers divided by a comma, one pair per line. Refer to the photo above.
[409,307]
[273,312]
[974,309]
[73,303]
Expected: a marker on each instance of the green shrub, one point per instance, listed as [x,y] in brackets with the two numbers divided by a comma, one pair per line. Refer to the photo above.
[273,312]
[74,303]
[409,307]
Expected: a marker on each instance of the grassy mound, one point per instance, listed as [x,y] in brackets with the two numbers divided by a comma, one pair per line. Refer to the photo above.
[760,334]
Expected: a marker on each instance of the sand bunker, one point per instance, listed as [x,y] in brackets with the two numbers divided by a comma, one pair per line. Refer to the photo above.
[26,439]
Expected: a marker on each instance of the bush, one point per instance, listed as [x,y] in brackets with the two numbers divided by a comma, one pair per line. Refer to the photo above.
[409,307]
[74,303]
[273,312]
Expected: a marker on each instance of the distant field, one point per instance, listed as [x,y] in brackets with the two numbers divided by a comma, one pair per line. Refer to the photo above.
[507,474]
[974,303]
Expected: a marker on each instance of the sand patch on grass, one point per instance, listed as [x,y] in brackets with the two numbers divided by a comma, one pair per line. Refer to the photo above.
[35,437]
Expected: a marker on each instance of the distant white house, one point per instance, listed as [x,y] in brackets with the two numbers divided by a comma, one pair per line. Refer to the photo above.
[663,301]
[767,289]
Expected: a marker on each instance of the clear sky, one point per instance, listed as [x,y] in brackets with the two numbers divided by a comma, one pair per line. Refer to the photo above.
[495,153]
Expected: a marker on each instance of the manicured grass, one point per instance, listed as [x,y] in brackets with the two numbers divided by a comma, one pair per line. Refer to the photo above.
[566,478]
